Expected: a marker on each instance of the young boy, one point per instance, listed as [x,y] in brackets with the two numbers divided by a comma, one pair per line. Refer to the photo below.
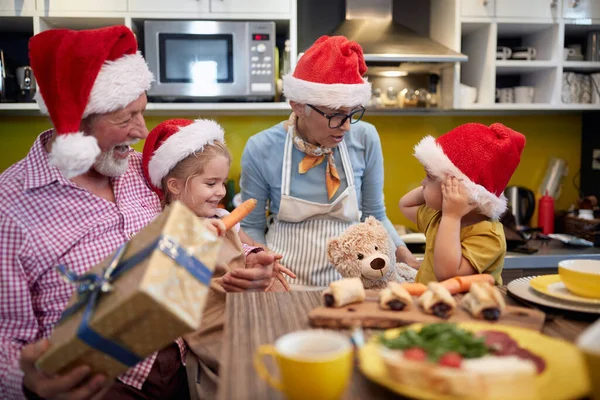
[461,198]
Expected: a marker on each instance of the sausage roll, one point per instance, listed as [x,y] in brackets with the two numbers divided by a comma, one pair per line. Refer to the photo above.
[395,297]
[484,301]
[437,300]
[344,291]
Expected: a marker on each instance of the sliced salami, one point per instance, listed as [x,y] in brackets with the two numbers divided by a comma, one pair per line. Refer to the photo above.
[525,354]
[500,342]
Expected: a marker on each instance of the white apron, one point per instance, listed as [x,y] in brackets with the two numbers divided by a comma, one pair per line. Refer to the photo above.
[301,228]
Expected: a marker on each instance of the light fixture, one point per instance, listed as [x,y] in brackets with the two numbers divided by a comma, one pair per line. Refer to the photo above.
[393,74]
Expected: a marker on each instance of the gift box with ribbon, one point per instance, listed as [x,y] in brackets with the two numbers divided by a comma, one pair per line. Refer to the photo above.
[150,291]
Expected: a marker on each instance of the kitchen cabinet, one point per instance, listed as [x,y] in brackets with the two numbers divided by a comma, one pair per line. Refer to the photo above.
[82,5]
[527,8]
[17,6]
[174,6]
[251,6]
[581,9]
[477,8]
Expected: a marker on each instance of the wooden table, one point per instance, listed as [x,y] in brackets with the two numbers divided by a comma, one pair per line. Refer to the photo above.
[260,318]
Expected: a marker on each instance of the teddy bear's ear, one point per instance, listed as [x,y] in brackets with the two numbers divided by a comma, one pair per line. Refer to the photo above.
[333,250]
[372,221]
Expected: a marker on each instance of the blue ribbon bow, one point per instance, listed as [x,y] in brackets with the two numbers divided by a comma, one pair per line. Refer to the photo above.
[91,286]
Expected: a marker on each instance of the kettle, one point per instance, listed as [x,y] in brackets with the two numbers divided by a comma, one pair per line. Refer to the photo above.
[521,203]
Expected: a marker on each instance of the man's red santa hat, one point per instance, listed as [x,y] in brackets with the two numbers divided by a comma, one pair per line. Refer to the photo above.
[483,157]
[329,74]
[80,73]
[171,142]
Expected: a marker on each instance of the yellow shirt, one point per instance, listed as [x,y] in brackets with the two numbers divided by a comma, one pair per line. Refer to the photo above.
[483,244]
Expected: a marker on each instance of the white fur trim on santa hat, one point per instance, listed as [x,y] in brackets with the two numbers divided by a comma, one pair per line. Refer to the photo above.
[188,140]
[333,96]
[118,83]
[437,163]
[74,153]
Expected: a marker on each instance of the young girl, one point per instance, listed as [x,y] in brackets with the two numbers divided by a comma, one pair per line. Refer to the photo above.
[461,200]
[188,161]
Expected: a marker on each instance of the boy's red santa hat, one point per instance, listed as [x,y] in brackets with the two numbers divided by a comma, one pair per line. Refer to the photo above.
[80,73]
[483,157]
[171,142]
[329,74]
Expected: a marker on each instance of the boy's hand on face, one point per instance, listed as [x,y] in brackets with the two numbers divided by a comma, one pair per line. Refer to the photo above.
[455,200]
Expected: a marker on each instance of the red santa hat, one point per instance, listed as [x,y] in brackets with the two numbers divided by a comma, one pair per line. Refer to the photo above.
[329,74]
[80,73]
[172,141]
[483,157]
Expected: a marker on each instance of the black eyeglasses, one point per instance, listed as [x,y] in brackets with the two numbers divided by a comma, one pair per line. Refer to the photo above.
[338,119]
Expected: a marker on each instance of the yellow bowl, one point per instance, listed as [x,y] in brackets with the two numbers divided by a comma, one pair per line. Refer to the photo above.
[582,277]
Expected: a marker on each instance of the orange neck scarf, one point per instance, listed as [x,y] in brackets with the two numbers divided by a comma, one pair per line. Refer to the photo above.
[315,155]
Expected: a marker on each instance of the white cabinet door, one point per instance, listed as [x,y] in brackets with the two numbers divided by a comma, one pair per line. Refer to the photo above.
[173,6]
[251,6]
[581,9]
[82,5]
[477,8]
[17,5]
[527,8]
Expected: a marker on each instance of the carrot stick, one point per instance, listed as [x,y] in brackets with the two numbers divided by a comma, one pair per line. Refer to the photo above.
[415,289]
[239,213]
[452,284]
[467,280]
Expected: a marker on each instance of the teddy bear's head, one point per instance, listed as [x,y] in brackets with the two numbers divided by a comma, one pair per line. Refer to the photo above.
[364,250]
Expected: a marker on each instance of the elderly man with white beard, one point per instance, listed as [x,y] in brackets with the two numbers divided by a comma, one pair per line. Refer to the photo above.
[77,195]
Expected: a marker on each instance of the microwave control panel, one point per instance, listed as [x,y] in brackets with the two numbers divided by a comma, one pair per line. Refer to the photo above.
[262,57]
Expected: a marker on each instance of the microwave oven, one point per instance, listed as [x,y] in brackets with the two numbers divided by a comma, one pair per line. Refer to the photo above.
[211,60]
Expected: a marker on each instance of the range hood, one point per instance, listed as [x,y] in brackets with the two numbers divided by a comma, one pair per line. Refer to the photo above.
[385,42]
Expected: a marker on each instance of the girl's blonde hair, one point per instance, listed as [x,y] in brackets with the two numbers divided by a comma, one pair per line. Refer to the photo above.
[192,166]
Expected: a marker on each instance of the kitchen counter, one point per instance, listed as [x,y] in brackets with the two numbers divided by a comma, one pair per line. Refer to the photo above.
[547,256]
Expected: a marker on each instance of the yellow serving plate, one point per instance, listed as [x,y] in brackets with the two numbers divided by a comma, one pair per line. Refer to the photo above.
[553,286]
[565,376]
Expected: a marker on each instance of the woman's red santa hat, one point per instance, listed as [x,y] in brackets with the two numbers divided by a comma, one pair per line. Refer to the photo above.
[80,73]
[484,158]
[171,142]
[329,74]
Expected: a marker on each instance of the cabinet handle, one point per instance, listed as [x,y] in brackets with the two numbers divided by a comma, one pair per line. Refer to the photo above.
[485,2]
[575,3]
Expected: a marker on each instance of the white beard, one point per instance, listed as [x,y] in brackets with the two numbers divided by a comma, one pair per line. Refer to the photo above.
[106,164]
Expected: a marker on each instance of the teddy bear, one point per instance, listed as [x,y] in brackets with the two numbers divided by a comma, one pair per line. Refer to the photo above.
[366,250]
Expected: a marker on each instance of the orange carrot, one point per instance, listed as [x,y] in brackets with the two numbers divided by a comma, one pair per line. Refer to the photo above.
[239,213]
[467,280]
[415,289]
[452,284]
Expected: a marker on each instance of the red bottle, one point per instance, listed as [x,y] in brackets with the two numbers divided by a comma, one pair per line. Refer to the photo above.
[546,214]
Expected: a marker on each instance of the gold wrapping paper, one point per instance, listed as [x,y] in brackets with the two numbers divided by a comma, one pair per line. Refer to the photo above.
[149,306]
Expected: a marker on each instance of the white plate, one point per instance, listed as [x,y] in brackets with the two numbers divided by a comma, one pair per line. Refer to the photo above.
[521,289]
[413,238]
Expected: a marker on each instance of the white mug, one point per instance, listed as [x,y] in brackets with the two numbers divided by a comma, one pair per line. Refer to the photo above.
[503,53]
[468,95]
[524,94]
[505,95]
[568,52]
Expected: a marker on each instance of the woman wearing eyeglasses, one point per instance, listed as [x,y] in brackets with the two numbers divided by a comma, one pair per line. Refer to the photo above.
[322,169]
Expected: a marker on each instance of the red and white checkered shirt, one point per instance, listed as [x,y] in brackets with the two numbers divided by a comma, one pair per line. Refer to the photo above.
[47,220]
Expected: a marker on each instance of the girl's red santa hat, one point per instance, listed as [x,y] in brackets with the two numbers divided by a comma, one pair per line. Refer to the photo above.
[80,73]
[171,142]
[329,74]
[483,157]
